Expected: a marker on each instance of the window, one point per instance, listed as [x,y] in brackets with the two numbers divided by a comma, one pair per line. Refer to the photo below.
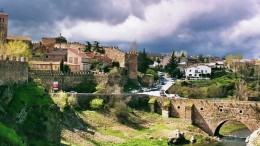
[190,75]
[70,59]
[0,19]
[3,19]
[206,71]
[46,56]
[190,70]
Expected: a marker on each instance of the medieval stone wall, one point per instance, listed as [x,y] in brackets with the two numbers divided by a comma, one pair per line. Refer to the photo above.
[115,54]
[66,81]
[13,70]
[74,45]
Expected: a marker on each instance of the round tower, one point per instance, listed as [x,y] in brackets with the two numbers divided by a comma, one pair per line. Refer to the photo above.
[3,26]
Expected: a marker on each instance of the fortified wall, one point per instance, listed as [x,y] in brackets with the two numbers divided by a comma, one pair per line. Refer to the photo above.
[13,70]
[66,81]
[115,54]
[74,45]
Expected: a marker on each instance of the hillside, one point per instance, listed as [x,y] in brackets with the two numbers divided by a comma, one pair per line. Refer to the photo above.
[29,116]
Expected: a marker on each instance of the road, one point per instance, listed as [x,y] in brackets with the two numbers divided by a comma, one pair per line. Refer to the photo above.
[168,83]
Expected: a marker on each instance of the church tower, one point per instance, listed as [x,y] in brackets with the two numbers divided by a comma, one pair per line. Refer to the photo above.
[3,26]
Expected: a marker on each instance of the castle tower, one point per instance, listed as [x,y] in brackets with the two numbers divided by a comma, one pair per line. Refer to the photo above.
[3,26]
[131,62]
[131,65]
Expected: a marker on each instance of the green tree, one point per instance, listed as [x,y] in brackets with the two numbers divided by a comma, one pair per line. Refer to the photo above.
[172,67]
[62,65]
[115,64]
[154,73]
[201,58]
[17,48]
[97,48]
[143,62]
[88,47]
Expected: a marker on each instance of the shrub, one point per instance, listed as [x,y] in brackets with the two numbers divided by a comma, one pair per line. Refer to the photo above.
[167,103]
[152,100]
[96,103]
[62,100]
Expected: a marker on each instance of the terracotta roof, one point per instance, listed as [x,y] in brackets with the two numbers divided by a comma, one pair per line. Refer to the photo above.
[91,55]
[79,53]
[19,38]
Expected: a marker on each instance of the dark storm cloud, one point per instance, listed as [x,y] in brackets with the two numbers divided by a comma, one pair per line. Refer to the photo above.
[49,11]
[198,27]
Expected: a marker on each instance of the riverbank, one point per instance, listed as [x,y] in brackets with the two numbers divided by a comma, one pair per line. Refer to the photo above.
[138,128]
[231,126]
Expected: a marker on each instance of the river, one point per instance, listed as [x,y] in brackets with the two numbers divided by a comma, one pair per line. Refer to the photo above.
[228,141]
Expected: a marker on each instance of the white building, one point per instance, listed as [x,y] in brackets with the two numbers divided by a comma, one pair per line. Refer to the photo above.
[197,72]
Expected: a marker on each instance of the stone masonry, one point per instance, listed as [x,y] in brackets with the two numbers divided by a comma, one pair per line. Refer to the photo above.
[13,70]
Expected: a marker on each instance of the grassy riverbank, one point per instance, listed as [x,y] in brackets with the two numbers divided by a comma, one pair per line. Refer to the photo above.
[231,126]
[138,128]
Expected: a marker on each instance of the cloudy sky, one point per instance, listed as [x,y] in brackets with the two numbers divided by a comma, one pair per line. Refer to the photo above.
[209,27]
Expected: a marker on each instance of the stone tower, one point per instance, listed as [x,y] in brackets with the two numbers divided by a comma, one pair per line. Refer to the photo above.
[131,65]
[131,62]
[3,26]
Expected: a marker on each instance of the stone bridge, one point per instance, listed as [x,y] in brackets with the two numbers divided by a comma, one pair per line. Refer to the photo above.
[208,115]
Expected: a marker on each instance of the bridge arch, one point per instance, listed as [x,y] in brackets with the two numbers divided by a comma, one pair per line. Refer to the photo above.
[220,124]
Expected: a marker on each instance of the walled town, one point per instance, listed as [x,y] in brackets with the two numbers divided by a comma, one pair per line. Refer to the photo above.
[56,92]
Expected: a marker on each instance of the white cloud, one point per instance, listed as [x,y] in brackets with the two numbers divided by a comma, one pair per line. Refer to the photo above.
[160,20]
[244,29]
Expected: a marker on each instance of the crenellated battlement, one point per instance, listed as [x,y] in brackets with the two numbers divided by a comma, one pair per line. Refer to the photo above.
[134,53]
[58,73]
[13,70]
[13,58]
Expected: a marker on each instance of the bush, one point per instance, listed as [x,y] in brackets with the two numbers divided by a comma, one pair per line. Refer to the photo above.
[96,103]
[167,103]
[152,100]
[62,100]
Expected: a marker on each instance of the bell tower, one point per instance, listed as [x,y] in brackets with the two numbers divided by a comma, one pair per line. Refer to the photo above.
[3,26]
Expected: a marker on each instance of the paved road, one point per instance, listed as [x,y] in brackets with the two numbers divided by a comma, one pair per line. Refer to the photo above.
[168,84]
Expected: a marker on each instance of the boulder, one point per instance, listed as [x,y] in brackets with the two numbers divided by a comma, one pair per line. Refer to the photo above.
[176,138]
[254,138]
[193,139]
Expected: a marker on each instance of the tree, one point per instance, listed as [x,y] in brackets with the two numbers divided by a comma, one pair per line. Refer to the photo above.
[172,67]
[115,64]
[62,65]
[17,48]
[143,62]
[229,60]
[201,58]
[97,48]
[88,47]
[241,90]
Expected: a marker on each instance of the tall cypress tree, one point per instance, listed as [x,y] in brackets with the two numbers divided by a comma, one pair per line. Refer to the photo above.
[61,65]
[172,67]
